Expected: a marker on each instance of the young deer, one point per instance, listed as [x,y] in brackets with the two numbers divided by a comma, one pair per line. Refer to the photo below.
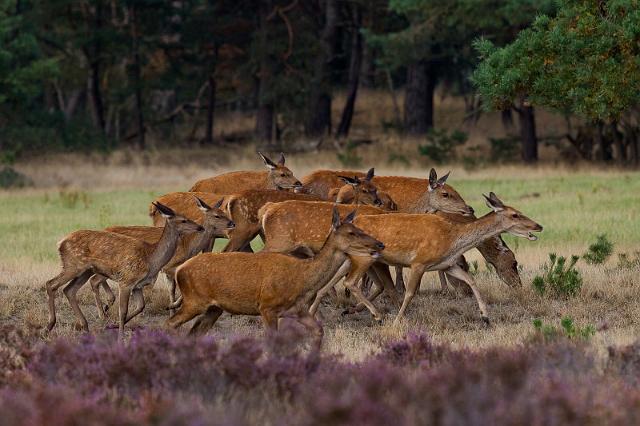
[129,261]
[303,226]
[413,195]
[215,223]
[278,176]
[431,243]
[356,191]
[182,203]
[272,285]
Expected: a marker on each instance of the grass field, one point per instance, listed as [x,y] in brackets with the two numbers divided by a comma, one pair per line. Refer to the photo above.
[573,207]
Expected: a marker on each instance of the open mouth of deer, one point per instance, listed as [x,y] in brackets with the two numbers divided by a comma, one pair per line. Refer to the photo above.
[376,254]
[531,237]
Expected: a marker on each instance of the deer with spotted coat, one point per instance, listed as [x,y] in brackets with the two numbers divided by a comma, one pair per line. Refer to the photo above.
[132,263]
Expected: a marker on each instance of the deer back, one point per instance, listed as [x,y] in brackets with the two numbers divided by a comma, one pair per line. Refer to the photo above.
[232,182]
[292,224]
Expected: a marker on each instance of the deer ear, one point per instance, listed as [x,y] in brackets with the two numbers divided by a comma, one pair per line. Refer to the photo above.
[433,180]
[335,219]
[267,162]
[369,175]
[350,217]
[354,181]
[281,160]
[164,210]
[202,205]
[219,203]
[443,179]
[493,202]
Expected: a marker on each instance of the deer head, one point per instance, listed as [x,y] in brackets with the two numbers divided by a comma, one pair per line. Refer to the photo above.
[513,221]
[279,175]
[364,190]
[214,218]
[352,240]
[442,197]
[181,223]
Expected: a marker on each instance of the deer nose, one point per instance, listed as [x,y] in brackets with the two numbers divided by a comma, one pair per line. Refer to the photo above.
[471,210]
[200,228]
[539,227]
[231,224]
[378,202]
[380,246]
[298,184]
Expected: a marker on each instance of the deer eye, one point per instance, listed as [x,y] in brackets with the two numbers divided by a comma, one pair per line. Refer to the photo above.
[515,215]
[282,174]
[352,233]
[445,194]
[217,216]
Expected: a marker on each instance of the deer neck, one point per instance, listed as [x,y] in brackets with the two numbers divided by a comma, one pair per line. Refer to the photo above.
[269,182]
[422,204]
[474,233]
[323,266]
[164,249]
[201,242]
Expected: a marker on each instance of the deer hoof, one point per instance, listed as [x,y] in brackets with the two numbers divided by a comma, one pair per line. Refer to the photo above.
[485,321]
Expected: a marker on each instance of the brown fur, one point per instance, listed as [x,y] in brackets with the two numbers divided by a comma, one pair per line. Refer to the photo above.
[278,176]
[243,209]
[272,285]
[436,243]
[182,203]
[303,226]
[407,193]
[216,224]
[131,262]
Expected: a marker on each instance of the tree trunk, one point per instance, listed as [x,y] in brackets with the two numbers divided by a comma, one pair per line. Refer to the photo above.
[137,79]
[318,121]
[418,101]
[604,145]
[211,106]
[266,112]
[354,74]
[93,58]
[618,140]
[527,118]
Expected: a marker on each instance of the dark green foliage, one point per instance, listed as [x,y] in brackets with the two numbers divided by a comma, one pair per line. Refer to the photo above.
[559,278]
[585,60]
[441,145]
[10,178]
[567,329]
[599,251]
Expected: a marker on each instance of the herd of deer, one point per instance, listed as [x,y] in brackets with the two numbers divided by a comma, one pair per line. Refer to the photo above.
[312,239]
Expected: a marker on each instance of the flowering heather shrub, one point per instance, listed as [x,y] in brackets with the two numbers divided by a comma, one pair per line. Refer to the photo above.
[168,379]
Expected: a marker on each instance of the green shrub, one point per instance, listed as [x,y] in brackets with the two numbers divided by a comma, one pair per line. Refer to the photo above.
[599,251]
[349,157]
[441,146]
[567,329]
[559,278]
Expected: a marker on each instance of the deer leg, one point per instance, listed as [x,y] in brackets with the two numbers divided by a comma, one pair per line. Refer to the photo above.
[124,292]
[308,321]
[138,300]
[96,281]
[172,290]
[111,298]
[185,313]
[356,272]
[382,280]
[443,282]
[459,273]
[269,319]
[52,285]
[344,269]
[414,282]
[399,278]
[206,321]
[70,293]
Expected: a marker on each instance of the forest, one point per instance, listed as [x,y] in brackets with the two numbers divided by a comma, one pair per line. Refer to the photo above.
[96,75]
